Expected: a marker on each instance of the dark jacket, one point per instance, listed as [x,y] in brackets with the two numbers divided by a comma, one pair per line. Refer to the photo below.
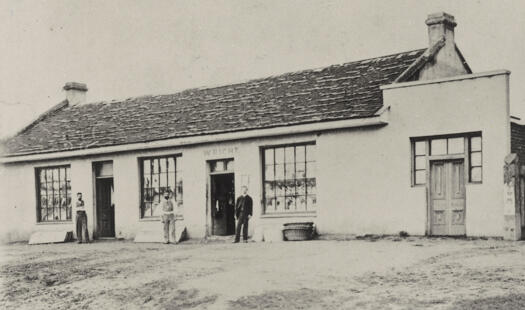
[243,206]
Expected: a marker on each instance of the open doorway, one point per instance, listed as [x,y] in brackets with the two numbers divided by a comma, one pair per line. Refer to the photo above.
[104,207]
[222,204]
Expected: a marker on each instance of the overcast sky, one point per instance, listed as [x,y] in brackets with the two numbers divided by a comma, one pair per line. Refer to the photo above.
[122,49]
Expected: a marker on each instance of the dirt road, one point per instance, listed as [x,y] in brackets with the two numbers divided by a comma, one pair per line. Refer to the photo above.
[392,273]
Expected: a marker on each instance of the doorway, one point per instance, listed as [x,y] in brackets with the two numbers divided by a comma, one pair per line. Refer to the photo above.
[105,208]
[222,204]
[447,198]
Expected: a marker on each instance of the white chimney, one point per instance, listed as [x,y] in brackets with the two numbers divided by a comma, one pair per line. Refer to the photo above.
[446,60]
[75,93]
[440,25]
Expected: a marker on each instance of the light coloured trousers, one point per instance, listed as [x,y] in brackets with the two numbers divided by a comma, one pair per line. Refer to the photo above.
[168,221]
[82,231]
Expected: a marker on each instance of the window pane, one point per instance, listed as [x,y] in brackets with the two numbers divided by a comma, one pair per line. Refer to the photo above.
[219,166]
[280,204]
[179,163]
[268,173]
[229,165]
[147,181]
[300,169]
[289,189]
[300,202]
[300,187]
[147,195]
[163,164]
[421,177]
[310,186]
[421,162]
[155,181]
[43,201]
[279,155]
[163,177]
[268,156]
[171,164]
[475,143]
[475,159]
[299,153]
[171,182]
[290,203]
[420,148]
[269,189]
[310,170]
[475,174]
[279,188]
[290,171]
[310,152]
[43,215]
[155,165]
[42,176]
[456,145]
[289,154]
[279,172]
[146,166]
[62,174]
[438,146]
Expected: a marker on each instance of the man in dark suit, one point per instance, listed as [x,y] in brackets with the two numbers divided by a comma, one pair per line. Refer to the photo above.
[243,212]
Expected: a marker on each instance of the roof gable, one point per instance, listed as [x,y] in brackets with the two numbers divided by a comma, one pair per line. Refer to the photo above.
[337,92]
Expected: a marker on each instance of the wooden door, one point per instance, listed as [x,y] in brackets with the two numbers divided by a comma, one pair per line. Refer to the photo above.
[447,198]
[105,208]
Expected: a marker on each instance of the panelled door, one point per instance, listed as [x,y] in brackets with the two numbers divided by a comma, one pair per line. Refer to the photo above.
[447,198]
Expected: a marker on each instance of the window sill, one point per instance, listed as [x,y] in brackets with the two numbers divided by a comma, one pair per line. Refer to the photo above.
[150,219]
[159,218]
[55,223]
[289,214]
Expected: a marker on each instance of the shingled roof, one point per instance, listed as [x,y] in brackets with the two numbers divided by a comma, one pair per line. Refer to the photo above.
[337,92]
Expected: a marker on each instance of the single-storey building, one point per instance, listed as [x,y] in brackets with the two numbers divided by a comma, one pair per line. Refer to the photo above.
[413,141]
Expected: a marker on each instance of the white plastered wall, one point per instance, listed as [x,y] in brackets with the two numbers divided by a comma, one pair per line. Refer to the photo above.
[364,175]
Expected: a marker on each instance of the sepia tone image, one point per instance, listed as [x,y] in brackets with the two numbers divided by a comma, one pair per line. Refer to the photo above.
[262,155]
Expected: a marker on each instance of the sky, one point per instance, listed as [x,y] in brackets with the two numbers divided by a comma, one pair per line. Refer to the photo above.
[123,49]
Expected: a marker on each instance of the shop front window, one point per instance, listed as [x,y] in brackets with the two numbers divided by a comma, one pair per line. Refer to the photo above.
[289,178]
[160,175]
[54,194]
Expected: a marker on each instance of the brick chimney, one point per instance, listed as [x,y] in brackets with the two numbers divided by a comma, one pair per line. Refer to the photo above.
[75,93]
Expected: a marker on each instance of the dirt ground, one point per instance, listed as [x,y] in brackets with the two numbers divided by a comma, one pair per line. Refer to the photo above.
[387,273]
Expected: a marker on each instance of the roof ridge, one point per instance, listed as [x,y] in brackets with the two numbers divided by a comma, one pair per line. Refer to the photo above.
[210,87]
